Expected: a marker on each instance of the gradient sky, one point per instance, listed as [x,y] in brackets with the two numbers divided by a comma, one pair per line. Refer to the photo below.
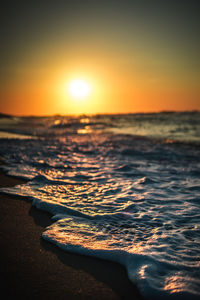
[138,56]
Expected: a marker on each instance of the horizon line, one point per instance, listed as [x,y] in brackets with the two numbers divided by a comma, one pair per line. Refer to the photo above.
[97,114]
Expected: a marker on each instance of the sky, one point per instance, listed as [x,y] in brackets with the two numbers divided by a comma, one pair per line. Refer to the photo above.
[136,56]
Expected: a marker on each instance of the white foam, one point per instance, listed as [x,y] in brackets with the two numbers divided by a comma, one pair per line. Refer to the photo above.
[132,200]
[10,135]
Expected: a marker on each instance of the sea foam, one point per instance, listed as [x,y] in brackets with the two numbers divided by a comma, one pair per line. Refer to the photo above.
[121,197]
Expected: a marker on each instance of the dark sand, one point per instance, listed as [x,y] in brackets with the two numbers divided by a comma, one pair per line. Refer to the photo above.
[32,268]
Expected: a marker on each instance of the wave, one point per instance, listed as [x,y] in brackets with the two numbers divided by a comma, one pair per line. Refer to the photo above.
[131,198]
[111,236]
[148,273]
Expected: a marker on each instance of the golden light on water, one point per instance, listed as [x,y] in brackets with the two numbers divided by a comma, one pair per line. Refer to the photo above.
[175,284]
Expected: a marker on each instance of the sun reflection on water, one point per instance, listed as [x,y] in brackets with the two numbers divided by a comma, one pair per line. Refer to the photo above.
[85,130]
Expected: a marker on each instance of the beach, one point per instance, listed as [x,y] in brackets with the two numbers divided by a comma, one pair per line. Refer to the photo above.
[104,207]
[35,269]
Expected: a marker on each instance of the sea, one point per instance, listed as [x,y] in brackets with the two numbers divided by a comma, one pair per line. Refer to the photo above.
[123,187]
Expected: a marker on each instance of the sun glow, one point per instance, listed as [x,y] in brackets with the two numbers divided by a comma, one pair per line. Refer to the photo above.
[79,89]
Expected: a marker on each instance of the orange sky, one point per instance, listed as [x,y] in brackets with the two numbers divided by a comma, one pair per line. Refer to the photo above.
[132,64]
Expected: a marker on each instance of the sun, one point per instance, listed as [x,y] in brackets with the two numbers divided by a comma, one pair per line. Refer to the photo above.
[79,88]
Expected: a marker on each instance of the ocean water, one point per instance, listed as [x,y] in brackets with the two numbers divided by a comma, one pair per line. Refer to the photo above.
[124,188]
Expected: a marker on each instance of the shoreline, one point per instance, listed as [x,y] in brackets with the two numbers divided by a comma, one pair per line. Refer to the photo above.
[36,269]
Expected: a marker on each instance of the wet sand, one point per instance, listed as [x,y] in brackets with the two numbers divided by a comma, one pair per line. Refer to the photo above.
[32,268]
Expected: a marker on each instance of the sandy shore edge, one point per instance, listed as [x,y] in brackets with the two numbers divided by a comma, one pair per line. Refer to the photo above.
[35,269]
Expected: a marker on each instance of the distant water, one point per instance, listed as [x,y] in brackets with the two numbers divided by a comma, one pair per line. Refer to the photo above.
[124,188]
